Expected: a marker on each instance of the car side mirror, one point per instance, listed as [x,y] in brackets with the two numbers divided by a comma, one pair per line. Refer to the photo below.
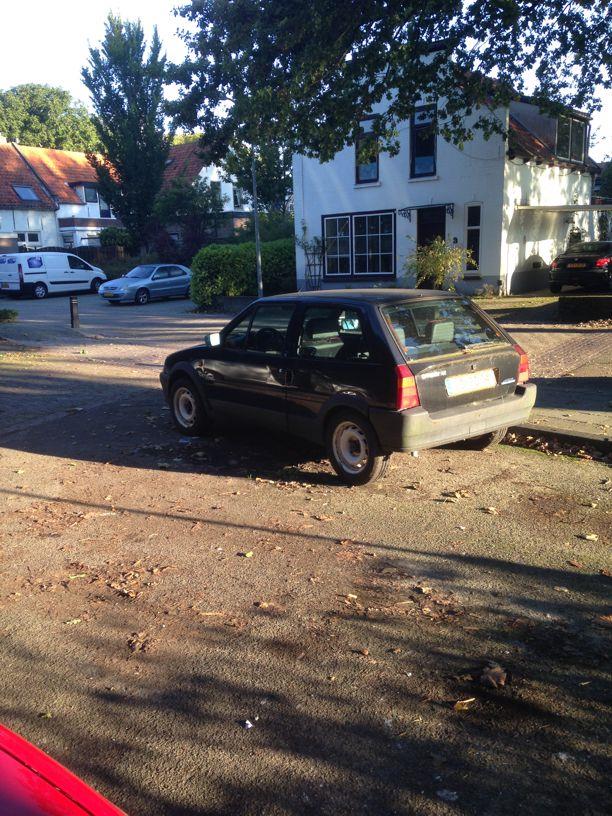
[212,339]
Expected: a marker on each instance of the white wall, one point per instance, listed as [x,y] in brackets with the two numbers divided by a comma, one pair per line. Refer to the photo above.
[474,175]
[531,240]
[212,173]
[41,221]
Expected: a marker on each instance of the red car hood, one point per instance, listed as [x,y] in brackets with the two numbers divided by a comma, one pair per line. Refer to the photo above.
[33,784]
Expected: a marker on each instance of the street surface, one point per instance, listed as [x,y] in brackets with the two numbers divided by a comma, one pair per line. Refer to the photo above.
[436,643]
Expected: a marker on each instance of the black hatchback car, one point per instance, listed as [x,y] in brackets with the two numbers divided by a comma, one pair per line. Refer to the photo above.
[587,264]
[363,372]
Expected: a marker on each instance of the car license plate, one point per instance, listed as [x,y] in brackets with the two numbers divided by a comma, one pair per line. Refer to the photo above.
[576,266]
[108,294]
[473,381]
[4,285]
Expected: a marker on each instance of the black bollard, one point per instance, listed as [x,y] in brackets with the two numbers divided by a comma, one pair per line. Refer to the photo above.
[74,312]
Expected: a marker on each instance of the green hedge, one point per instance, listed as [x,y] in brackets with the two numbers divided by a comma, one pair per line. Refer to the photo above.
[230,270]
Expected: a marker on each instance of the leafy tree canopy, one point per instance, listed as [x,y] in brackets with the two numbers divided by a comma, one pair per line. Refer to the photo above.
[303,72]
[126,83]
[42,116]
[273,169]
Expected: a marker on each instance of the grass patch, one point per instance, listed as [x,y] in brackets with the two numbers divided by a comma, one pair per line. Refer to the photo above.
[8,315]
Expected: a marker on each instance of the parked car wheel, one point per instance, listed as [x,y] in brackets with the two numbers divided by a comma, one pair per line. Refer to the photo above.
[488,440]
[186,407]
[142,297]
[95,285]
[40,291]
[555,288]
[353,449]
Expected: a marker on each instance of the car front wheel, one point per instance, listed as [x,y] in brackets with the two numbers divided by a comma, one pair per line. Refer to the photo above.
[353,449]
[142,297]
[95,285]
[186,407]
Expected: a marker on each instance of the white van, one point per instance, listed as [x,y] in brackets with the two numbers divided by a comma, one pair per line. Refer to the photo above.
[41,273]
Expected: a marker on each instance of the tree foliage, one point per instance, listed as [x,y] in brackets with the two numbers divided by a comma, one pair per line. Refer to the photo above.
[273,168]
[42,116]
[127,90]
[302,72]
[194,208]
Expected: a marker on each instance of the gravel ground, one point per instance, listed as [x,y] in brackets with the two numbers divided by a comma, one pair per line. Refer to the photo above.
[436,643]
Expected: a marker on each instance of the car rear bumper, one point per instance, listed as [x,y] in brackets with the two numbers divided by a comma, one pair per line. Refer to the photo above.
[10,288]
[581,277]
[417,429]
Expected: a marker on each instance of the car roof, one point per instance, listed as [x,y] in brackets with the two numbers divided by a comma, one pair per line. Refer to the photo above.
[377,296]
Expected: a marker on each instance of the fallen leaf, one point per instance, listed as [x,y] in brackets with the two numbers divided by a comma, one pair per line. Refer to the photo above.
[463,705]
[589,536]
[248,554]
[493,676]
[576,564]
[561,589]
[492,511]
[73,622]
[604,620]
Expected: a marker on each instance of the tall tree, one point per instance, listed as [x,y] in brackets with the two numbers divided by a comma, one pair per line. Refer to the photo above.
[127,91]
[273,168]
[195,208]
[303,72]
[42,116]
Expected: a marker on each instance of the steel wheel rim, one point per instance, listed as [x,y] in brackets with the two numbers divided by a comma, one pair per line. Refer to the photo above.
[350,446]
[185,407]
[141,297]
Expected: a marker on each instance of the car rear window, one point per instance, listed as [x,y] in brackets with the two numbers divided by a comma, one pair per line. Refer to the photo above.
[429,328]
[590,246]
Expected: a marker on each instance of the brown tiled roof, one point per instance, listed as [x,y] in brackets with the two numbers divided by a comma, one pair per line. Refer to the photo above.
[185,162]
[14,171]
[58,169]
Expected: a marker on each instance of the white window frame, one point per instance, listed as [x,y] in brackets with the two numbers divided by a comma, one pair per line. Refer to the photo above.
[474,273]
[585,139]
[354,236]
[338,255]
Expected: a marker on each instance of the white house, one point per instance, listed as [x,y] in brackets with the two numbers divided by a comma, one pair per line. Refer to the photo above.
[49,198]
[511,202]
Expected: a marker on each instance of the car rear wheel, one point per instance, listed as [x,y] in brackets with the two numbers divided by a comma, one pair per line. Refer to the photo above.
[142,297]
[40,291]
[187,409]
[95,285]
[555,288]
[353,449]
[488,440]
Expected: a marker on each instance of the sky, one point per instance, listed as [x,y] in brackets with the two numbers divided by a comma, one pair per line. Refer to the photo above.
[48,43]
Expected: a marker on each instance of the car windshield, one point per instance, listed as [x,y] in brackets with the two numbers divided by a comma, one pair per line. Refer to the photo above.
[141,271]
[590,246]
[429,328]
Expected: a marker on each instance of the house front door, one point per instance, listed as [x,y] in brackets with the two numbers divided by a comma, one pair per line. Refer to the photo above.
[431,224]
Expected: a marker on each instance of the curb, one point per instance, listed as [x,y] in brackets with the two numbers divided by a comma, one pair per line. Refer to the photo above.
[602,443]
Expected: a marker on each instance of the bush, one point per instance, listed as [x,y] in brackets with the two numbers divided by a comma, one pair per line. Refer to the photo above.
[8,315]
[115,236]
[437,265]
[230,270]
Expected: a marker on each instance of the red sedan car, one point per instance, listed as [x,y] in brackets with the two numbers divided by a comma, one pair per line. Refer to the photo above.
[33,784]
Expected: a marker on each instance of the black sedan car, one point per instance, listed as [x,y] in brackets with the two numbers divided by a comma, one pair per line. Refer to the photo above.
[587,264]
[363,372]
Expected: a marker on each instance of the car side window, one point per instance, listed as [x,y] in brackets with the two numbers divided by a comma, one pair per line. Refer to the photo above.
[177,272]
[269,326]
[78,263]
[162,273]
[236,337]
[334,332]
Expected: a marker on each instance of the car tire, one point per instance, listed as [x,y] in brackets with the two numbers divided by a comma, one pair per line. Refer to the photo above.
[95,285]
[488,440]
[186,407]
[40,291]
[353,449]
[142,297]
[555,288]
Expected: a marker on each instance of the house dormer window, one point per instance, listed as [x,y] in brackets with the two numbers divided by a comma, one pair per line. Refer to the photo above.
[366,153]
[91,195]
[571,139]
[423,142]
[26,193]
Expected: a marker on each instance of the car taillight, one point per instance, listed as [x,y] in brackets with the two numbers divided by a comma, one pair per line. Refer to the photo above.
[602,262]
[523,372]
[554,265]
[407,395]
[20,272]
